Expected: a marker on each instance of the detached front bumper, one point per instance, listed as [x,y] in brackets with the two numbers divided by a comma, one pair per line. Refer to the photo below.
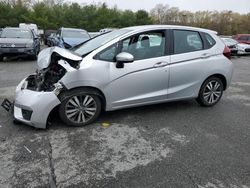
[33,107]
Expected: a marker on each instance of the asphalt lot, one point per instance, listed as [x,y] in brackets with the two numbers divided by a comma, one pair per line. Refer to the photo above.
[177,144]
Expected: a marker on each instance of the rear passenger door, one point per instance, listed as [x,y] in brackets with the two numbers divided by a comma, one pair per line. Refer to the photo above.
[188,59]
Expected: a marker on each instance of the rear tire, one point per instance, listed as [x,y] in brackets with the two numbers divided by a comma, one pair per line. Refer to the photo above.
[211,92]
[1,58]
[79,108]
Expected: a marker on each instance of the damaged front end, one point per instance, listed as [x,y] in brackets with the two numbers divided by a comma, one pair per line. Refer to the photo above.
[37,95]
[53,64]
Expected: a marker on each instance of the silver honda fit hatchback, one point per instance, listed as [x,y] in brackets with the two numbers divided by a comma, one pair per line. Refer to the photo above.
[124,68]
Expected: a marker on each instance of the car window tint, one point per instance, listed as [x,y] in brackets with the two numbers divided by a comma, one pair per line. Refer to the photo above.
[145,45]
[108,54]
[187,41]
[210,41]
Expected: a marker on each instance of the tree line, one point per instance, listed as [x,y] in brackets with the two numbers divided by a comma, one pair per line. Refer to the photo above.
[52,14]
[224,22]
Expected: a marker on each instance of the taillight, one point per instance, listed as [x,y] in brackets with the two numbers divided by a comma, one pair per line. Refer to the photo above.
[227,52]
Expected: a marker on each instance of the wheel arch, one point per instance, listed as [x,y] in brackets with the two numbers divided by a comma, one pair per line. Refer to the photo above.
[220,76]
[90,90]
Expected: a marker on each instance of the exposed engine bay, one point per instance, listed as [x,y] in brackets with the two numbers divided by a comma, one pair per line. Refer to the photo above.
[51,72]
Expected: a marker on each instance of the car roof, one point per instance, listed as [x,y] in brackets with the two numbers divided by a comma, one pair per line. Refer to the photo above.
[145,27]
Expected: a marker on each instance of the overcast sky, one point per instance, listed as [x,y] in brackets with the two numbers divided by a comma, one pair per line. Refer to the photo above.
[241,6]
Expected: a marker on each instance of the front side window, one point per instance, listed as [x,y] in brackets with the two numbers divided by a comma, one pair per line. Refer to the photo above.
[187,41]
[145,45]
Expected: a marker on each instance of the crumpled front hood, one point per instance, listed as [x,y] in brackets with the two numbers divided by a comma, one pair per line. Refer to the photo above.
[44,57]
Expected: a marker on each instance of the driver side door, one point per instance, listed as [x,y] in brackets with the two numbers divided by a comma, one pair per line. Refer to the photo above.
[145,80]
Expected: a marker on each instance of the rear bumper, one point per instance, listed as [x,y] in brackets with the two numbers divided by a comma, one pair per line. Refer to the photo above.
[33,107]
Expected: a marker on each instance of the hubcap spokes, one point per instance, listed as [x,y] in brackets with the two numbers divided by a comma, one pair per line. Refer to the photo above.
[212,92]
[80,109]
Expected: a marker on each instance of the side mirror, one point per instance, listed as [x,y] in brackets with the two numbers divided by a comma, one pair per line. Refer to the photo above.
[122,58]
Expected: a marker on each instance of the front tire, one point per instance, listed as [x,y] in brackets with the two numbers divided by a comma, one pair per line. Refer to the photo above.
[79,108]
[211,92]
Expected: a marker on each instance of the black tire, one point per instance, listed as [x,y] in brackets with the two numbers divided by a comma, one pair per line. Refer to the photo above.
[209,97]
[67,108]
[1,58]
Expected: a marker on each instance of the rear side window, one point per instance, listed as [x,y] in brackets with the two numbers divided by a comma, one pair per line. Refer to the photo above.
[187,41]
[209,40]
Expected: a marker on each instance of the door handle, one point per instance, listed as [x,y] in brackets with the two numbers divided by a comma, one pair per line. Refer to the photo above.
[160,64]
[205,55]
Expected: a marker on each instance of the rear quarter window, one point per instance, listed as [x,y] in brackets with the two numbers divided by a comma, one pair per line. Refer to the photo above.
[209,40]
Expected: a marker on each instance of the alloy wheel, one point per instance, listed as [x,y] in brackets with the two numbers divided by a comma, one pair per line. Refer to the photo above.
[212,92]
[80,109]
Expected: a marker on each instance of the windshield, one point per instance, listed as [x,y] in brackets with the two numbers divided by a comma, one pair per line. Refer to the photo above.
[98,41]
[16,33]
[75,34]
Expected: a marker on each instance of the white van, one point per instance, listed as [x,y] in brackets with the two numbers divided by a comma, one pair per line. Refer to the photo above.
[30,26]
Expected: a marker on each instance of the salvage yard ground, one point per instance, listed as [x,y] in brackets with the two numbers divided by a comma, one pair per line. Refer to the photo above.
[178,144]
